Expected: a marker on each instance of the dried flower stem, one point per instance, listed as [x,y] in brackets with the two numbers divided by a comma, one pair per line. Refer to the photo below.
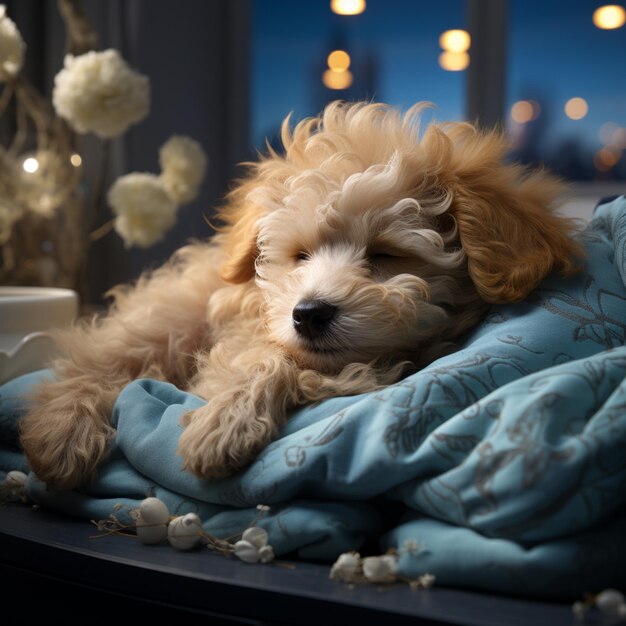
[80,36]
[101,231]
[261,511]
[47,243]
[7,94]
[88,238]
[99,183]
[113,526]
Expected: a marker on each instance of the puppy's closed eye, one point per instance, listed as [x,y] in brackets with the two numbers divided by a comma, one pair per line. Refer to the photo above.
[383,264]
[382,256]
[386,257]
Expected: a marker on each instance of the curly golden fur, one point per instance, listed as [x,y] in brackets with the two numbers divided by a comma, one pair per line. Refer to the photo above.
[366,249]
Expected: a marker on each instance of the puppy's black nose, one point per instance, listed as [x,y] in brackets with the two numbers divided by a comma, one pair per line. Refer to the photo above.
[312,317]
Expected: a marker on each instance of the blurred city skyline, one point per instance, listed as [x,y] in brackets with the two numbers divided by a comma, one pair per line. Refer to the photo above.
[554,54]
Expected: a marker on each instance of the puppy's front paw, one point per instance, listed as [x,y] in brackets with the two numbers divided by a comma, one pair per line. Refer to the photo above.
[218,441]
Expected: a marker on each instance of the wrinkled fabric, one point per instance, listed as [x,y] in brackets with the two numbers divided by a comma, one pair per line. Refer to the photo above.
[505,461]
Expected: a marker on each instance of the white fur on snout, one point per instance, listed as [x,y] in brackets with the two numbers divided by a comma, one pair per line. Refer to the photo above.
[374,319]
[331,273]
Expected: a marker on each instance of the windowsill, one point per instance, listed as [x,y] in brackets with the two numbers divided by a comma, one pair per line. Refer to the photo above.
[582,198]
[51,566]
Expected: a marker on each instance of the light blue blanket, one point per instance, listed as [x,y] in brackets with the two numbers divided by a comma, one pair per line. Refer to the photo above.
[506,460]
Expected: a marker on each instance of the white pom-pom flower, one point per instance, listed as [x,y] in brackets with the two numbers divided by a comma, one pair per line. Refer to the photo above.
[97,92]
[612,603]
[11,47]
[144,212]
[380,569]
[12,489]
[347,567]
[253,546]
[151,519]
[184,532]
[183,165]
[154,511]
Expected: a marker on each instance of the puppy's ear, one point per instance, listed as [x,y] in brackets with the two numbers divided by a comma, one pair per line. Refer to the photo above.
[246,205]
[504,215]
[241,247]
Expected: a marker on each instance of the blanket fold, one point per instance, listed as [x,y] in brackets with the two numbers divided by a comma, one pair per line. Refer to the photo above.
[507,458]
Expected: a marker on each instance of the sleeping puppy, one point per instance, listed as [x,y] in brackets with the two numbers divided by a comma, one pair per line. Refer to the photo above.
[359,254]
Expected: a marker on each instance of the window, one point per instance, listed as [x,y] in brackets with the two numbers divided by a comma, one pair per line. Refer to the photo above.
[394,55]
[566,96]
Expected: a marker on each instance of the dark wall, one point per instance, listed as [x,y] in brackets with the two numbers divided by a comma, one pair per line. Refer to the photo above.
[195,53]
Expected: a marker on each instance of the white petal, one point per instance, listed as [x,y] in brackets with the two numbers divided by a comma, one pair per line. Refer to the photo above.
[256,536]
[246,552]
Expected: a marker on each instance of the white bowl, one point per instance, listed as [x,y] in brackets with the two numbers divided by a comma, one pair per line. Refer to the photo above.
[26,313]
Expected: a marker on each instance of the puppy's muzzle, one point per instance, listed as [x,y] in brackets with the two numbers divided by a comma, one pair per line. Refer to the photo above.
[311,318]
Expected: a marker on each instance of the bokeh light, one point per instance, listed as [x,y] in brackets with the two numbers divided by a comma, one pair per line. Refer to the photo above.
[606,132]
[609,17]
[338,60]
[337,80]
[524,111]
[576,108]
[618,139]
[30,165]
[606,158]
[454,61]
[610,155]
[76,160]
[455,40]
[347,7]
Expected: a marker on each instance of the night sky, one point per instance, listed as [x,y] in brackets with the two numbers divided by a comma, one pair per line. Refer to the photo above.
[554,53]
